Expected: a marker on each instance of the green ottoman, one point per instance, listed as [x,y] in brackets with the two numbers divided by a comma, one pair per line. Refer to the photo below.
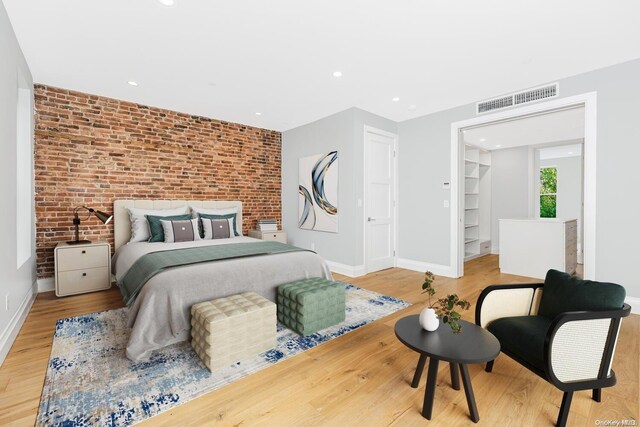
[309,305]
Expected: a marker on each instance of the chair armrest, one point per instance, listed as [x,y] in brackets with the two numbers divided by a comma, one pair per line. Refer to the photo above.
[579,348]
[498,301]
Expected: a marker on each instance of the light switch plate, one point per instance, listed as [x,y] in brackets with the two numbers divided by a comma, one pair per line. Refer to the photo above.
[446,203]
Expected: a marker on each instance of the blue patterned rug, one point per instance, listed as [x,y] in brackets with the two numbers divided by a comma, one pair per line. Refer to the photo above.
[90,381]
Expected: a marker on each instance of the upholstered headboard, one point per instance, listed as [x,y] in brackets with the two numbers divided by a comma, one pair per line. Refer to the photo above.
[122,224]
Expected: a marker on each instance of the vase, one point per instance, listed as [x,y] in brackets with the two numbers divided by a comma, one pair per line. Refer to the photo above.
[428,319]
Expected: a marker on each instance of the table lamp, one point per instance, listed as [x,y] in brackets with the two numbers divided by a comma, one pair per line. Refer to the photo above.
[105,218]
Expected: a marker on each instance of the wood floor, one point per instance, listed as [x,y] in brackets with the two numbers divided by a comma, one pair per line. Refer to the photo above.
[359,379]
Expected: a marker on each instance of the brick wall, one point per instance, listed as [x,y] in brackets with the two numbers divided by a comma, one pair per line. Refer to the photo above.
[91,150]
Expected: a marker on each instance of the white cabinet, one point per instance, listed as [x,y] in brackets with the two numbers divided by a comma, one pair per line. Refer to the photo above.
[82,268]
[277,236]
[485,247]
[477,202]
[530,247]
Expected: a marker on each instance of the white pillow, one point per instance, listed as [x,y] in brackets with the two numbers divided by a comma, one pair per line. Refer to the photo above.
[181,231]
[140,225]
[195,211]
[207,227]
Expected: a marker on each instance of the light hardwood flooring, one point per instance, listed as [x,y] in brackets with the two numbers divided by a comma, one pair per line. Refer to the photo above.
[359,379]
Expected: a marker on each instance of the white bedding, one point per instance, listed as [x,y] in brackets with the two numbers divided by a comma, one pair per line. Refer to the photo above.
[160,315]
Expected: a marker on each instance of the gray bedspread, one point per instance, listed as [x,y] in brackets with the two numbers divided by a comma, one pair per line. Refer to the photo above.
[154,263]
[160,315]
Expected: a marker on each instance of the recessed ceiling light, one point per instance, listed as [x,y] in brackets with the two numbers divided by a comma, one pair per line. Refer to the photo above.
[413,107]
[395,99]
[258,114]
[483,139]
[167,3]
[132,83]
[570,152]
[337,74]
[498,146]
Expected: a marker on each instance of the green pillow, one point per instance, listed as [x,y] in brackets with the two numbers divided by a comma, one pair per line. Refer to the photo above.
[155,226]
[226,216]
[563,292]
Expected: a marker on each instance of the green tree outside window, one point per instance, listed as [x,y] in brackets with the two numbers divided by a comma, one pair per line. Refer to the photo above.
[548,192]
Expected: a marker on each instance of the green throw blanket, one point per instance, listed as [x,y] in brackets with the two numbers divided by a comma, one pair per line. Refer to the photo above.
[153,263]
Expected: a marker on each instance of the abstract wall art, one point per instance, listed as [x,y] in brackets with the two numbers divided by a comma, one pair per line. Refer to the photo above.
[318,192]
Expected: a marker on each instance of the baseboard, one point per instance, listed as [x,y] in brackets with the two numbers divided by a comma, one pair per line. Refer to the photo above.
[437,269]
[634,303]
[47,284]
[9,335]
[495,250]
[347,270]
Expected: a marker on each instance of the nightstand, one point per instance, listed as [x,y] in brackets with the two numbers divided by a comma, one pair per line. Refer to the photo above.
[277,236]
[82,268]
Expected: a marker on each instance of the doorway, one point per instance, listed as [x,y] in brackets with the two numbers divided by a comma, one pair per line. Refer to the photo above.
[558,181]
[586,105]
[380,182]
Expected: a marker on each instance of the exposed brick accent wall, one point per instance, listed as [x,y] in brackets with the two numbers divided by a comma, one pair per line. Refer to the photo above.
[91,150]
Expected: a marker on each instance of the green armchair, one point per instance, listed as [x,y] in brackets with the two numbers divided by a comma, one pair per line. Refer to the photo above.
[564,330]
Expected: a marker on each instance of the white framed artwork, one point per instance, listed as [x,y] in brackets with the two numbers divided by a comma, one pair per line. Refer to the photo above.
[318,192]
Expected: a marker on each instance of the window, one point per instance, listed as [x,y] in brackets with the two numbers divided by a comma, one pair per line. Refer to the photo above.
[24,174]
[548,192]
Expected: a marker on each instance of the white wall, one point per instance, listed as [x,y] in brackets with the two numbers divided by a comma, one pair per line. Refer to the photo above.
[509,188]
[423,166]
[18,284]
[424,232]
[344,132]
[569,195]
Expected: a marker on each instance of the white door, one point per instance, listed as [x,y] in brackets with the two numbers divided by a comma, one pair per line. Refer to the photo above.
[379,166]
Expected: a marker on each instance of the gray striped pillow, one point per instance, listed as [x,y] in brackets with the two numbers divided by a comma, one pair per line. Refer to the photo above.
[181,231]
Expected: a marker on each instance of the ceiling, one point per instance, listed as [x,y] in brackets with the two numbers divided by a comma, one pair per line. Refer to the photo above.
[233,59]
[564,125]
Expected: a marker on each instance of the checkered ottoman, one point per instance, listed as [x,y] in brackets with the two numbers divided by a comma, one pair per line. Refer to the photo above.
[229,329]
[309,305]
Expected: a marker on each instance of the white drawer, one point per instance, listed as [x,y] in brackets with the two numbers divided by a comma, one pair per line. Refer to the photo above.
[75,258]
[276,236]
[485,246]
[84,280]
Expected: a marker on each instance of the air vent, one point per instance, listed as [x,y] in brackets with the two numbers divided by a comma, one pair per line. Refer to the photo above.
[518,98]
[536,94]
[495,104]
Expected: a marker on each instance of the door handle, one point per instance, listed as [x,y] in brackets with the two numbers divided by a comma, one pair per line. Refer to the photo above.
[370,219]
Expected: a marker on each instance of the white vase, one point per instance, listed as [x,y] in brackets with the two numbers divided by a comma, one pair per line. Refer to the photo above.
[428,319]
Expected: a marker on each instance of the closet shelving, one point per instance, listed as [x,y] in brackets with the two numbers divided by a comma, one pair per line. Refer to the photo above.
[477,202]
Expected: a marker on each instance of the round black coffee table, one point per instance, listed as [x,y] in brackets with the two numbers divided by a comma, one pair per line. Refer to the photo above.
[472,345]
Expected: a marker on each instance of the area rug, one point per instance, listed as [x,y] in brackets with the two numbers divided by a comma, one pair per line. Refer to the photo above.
[90,381]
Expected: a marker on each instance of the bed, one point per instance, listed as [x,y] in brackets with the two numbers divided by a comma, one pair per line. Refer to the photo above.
[160,313]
